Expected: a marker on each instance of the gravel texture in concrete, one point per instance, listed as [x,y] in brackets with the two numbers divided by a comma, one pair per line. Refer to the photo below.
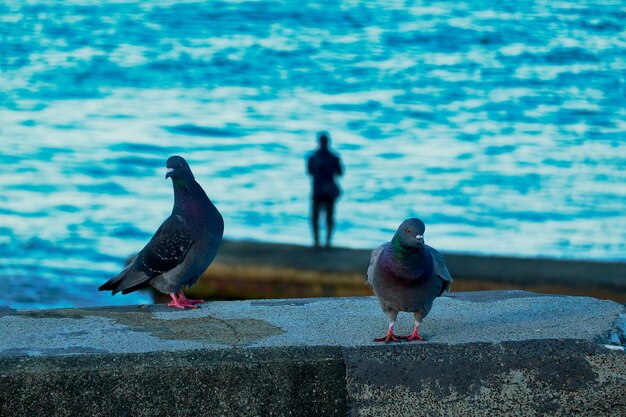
[486,353]
[489,316]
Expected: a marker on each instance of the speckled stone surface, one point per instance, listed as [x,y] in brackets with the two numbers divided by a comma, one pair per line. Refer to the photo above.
[491,316]
[502,352]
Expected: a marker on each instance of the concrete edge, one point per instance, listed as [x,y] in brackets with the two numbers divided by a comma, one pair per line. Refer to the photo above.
[240,381]
[323,380]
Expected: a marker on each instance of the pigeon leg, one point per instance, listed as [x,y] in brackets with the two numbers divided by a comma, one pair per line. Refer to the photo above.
[415,335]
[389,337]
[186,300]
[178,303]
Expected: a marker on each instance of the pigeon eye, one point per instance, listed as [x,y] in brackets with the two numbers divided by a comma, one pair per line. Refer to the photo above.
[407,230]
[180,165]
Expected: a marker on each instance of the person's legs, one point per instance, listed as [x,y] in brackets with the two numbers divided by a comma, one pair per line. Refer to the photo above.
[315,214]
[330,220]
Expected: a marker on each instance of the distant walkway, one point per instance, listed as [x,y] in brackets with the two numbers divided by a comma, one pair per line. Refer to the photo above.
[271,270]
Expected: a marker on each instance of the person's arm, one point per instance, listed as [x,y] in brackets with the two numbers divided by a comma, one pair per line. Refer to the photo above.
[339,168]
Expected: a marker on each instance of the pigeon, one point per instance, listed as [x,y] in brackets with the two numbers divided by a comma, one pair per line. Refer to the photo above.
[182,248]
[407,275]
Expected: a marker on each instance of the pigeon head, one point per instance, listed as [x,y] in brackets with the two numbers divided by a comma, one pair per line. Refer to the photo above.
[178,169]
[410,233]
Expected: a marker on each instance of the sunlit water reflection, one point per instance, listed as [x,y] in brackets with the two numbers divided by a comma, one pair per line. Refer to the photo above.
[501,125]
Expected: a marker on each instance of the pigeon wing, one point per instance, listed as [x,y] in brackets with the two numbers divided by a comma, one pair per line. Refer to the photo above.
[373,260]
[440,269]
[165,251]
[168,247]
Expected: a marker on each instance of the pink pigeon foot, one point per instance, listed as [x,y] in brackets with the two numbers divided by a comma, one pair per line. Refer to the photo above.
[184,299]
[389,337]
[180,303]
[413,336]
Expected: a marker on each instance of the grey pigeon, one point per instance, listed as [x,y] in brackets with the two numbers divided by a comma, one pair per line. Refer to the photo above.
[407,275]
[182,248]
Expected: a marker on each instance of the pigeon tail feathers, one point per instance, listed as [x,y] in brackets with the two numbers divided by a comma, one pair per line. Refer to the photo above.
[127,281]
[115,282]
[133,280]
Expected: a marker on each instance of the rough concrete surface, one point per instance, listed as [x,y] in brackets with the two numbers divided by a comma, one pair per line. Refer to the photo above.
[486,353]
[259,382]
[527,378]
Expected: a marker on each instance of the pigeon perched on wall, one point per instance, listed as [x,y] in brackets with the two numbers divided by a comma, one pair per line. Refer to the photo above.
[407,275]
[182,248]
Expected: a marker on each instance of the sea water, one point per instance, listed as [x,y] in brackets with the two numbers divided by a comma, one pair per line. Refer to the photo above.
[500,124]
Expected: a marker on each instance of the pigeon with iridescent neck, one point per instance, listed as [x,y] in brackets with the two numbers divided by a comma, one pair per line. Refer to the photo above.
[182,248]
[407,275]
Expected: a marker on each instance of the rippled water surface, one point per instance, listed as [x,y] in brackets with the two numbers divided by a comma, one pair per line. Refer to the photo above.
[501,124]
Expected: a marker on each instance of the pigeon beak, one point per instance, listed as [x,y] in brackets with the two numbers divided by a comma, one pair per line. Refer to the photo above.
[420,238]
[169,173]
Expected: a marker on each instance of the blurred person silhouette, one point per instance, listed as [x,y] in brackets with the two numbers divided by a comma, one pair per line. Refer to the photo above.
[323,165]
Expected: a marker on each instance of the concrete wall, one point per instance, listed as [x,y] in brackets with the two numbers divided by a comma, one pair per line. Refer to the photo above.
[485,354]
[255,382]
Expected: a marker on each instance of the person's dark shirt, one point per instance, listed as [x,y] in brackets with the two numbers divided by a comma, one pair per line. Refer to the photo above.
[323,165]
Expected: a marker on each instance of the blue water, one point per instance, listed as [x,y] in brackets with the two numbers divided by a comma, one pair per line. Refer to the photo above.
[501,124]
